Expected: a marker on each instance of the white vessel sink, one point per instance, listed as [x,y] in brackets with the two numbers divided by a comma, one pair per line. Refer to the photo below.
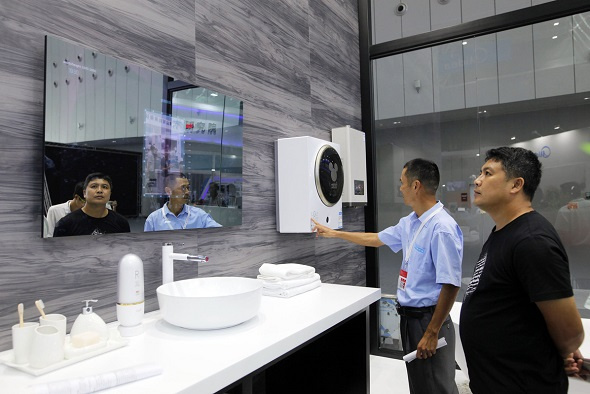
[210,303]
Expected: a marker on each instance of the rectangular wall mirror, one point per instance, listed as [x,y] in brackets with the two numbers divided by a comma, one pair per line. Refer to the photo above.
[145,130]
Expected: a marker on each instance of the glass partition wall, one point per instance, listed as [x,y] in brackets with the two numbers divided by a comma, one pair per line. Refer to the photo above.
[527,87]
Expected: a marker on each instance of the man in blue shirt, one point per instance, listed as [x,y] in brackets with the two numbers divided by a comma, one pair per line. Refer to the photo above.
[176,214]
[429,278]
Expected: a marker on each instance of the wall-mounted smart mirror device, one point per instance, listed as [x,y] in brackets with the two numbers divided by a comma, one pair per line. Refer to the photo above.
[172,150]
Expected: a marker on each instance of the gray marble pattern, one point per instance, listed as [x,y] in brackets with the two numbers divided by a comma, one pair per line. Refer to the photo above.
[294,63]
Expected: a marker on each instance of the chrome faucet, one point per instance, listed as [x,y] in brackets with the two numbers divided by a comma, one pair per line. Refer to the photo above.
[168,257]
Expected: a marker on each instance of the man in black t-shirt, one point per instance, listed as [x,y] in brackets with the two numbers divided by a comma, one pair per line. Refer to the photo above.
[519,321]
[94,217]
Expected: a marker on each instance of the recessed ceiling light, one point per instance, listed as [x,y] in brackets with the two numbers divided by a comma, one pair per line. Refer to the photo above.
[477,154]
[464,42]
[556,128]
[513,138]
[586,98]
[214,94]
[554,37]
[556,24]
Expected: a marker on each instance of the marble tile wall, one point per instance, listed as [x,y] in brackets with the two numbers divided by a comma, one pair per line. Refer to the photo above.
[294,63]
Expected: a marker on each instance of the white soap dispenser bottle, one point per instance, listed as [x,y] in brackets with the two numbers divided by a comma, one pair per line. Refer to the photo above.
[89,321]
[130,305]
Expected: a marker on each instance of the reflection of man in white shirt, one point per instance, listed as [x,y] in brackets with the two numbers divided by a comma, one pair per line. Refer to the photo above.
[176,214]
[58,211]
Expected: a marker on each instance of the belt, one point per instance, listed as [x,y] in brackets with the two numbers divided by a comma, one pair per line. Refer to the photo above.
[415,312]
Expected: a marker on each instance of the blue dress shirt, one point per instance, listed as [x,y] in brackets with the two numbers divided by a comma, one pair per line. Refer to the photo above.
[435,260]
[189,217]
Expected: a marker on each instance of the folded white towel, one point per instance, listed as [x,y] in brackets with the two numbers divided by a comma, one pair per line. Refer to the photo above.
[277,283]
[276,279]
[286,271]
[287,293]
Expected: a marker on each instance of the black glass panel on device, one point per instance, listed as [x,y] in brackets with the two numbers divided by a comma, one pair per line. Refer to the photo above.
[329,175]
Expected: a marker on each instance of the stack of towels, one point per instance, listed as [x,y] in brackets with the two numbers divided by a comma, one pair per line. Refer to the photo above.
[287,280]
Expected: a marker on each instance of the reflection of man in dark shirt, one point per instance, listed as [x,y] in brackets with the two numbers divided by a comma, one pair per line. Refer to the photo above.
[165,164]
[215,197]
[94,217]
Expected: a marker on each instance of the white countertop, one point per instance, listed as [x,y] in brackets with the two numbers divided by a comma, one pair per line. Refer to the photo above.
[207,361]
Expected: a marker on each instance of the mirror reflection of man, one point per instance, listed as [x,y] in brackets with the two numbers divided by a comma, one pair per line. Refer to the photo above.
[176,214]
[58,211]
[94,217]
[215,197]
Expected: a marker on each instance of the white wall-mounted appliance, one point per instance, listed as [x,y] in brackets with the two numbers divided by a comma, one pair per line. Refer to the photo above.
[354,158]
[309,182]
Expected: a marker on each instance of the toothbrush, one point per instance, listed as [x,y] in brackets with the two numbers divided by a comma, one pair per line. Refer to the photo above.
[40,305]
[21,311]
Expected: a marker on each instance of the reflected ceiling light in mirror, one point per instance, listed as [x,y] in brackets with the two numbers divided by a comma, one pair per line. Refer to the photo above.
[214,94]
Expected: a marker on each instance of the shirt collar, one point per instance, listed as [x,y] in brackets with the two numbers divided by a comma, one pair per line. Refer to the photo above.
[167,211]
[427,213]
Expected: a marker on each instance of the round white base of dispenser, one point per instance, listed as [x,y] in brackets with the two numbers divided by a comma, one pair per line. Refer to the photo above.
[131,331]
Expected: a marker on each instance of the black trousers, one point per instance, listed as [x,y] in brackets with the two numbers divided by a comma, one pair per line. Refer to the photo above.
[437,373]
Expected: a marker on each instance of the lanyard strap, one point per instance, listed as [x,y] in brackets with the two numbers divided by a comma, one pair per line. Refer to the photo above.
[167,221]
[409,253]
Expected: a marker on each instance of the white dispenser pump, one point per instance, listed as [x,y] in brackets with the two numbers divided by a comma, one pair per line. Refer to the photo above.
[130,305]
[89,321]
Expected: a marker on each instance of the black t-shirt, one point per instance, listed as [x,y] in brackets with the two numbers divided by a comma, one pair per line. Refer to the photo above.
[78,223]
[505,338]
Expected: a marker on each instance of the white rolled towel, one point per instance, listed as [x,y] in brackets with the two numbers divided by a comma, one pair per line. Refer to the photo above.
[287,293]
[286,271]
[277,283]
[93,383]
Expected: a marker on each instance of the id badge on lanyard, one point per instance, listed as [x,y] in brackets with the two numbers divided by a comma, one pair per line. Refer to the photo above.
[403,272]
[403,278]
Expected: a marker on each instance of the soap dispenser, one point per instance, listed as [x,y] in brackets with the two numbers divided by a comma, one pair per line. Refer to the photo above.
[89,322]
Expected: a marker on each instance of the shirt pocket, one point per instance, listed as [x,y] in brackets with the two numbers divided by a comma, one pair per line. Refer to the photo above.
[421,258]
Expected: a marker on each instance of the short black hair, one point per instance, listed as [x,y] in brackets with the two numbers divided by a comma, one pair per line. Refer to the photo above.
[79,190]
[425,171]
[98,175]
[519,163]
[170,180]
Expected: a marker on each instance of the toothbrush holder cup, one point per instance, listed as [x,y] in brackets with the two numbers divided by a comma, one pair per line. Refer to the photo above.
[56,320]
[47,347]
[22,338]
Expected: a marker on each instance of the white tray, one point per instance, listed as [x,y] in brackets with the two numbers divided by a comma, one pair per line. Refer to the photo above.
[115,341]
